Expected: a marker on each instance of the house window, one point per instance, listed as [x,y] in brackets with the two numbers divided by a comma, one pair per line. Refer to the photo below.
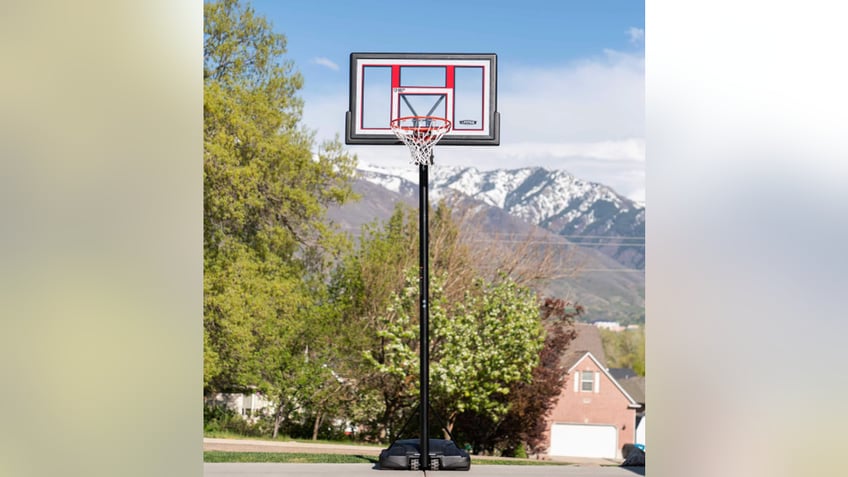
[587,381]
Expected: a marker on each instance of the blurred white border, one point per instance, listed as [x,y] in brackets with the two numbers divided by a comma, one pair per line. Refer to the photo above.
[748,186]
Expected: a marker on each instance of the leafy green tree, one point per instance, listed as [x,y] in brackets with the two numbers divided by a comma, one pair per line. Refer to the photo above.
[491,342]
[366,279]
[266,189]
[525,423]
[313,380]
[625,349]
[249,306]
[485,327]
[365,285]
[488,342]
[392,364]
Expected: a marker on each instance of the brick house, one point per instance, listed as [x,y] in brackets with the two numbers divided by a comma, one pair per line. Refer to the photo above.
[594,415]
[635,387]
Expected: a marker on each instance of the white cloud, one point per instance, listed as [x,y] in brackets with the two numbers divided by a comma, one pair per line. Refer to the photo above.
[325,62]
[636,34]
[627,150]
[587,118]
[598,100]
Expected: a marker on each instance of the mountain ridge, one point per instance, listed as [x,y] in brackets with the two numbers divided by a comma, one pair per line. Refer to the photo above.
[586,212]
[608,289]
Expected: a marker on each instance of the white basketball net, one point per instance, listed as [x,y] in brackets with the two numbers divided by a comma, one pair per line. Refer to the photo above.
[420,134]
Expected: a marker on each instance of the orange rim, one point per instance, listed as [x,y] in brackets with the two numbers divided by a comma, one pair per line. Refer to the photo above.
[441,124]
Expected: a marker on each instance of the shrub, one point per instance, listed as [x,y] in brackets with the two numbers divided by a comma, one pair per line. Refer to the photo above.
[222,419]
[521,452]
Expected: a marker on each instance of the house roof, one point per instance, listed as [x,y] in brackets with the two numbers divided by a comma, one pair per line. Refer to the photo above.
[635,387]
[622,373]
[588,340]
[580,356]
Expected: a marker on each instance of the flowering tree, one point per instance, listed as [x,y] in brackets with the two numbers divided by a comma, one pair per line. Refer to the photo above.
[479,347]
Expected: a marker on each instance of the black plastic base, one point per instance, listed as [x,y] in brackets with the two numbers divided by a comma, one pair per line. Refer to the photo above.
[406,455]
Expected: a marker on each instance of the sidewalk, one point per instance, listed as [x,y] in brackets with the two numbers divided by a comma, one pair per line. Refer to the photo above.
[251,445]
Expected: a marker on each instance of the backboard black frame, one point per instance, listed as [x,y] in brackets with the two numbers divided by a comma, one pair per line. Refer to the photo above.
[489,133]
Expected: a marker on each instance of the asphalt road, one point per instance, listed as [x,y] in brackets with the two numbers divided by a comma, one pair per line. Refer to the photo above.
[361,470]
[248,445]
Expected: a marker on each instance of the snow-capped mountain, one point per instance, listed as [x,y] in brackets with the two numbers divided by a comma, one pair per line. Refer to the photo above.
[584,212]
[602,284]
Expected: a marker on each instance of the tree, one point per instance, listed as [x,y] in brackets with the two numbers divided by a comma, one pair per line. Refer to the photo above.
[625,349]
[364,287]
[266,249]
[529,403]
[483,320]
[392,364]
[488,342]
[487,252]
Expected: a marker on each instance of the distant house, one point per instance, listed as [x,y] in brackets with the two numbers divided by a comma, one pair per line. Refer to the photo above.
[635,387]
[249,406]
[609,325]
[594,415]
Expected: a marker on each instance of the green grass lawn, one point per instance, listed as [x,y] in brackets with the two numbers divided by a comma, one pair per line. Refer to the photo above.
[304,458]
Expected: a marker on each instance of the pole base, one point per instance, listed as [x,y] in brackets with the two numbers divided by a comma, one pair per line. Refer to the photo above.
[405,454]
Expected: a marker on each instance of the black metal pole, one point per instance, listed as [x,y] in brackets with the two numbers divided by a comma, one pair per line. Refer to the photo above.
[424,316]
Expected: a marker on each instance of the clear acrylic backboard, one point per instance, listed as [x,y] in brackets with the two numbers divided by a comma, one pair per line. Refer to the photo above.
[459,87]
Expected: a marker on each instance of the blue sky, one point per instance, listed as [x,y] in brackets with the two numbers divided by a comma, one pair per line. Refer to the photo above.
[570,75]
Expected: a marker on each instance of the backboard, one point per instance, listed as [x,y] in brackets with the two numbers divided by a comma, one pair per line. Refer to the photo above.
[460,87]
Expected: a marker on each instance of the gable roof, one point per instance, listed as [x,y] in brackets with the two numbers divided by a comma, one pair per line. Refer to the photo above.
[588,340]
[586,354]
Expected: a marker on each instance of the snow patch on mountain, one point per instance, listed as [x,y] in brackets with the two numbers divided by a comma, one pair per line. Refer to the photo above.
[555,200]
[533,194]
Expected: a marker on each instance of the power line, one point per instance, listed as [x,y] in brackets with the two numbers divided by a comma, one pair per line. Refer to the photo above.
[568,244]
[569,236]
[572,240]
[632,270]
[610,242]
[639,237]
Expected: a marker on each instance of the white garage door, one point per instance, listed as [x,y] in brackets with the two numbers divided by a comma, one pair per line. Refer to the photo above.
[576,440]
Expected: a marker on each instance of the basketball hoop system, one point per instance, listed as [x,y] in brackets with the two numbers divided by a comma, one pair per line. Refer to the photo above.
[420,134]
[456,94]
